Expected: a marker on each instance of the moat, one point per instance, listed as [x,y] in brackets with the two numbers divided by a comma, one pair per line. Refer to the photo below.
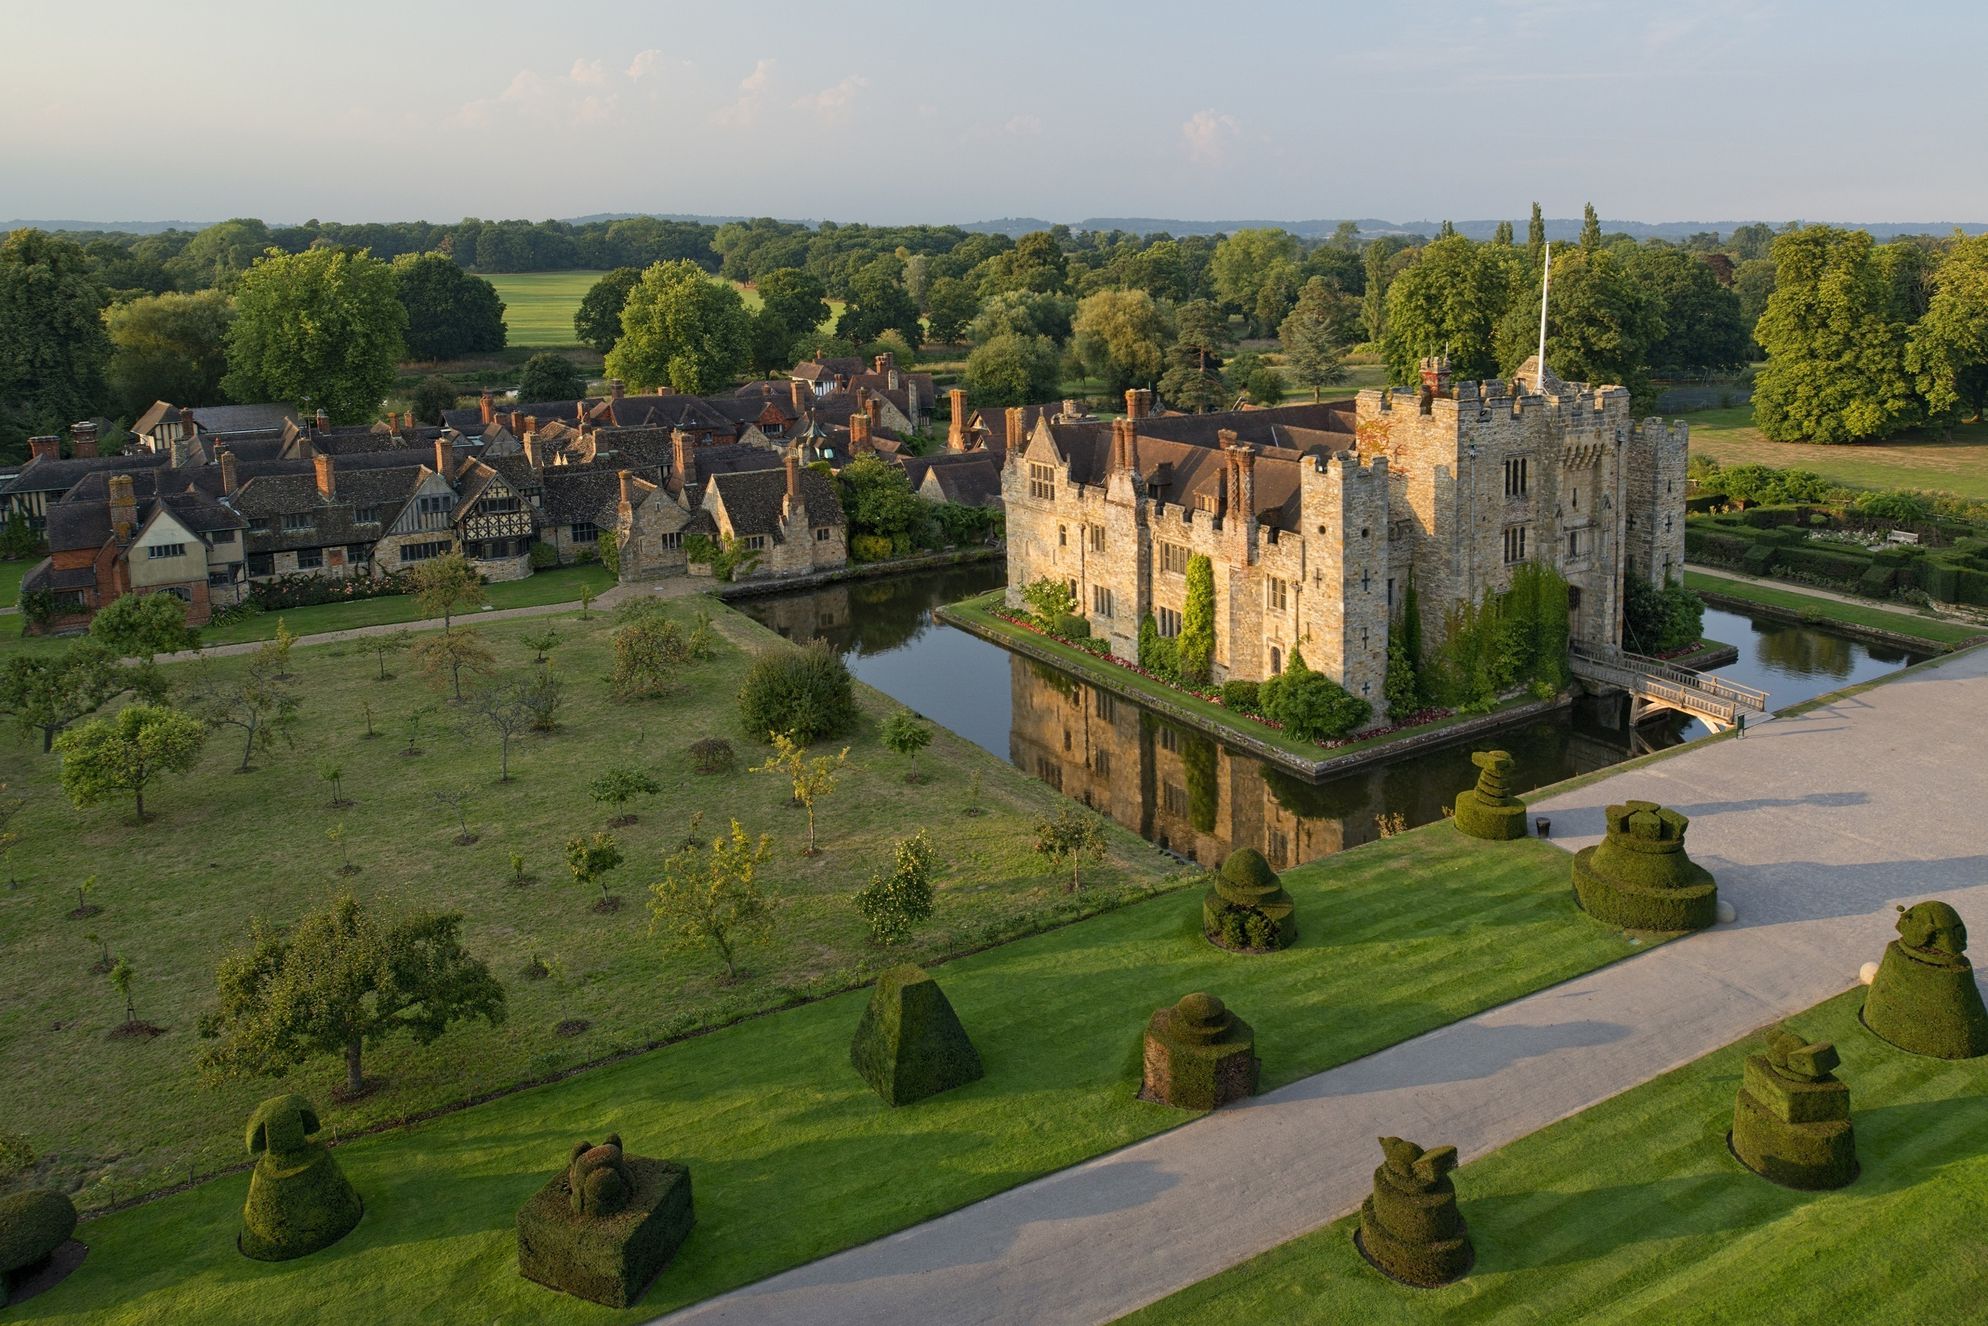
[1184,789]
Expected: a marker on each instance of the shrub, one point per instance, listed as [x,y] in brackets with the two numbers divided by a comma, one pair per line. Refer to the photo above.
[1248,907]
[32,1226]
[1198,1055]
[575,1243]
[805,693]
[1071,627]
[1310,705]
[1924,998]
[1157,654]
[1639,878]
[1658,619]
[543,555]
[1050,600]
[299,1200]
[712,755]
[894,902]
[608,548]
[1410,1228]
[1900,508]
[1195,647]
[1242,696]
[910,1044]
[870,548]
[648,655]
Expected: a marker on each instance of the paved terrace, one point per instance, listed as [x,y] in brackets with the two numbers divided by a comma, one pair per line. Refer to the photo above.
[1815,826]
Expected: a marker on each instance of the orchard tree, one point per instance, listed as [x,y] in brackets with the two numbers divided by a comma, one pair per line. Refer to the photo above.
[170,347]
[446,657]
[617,787]
[682,330]
[590,861]
[597,322]
[254,701]
[391,642]
[1836,366]
[548,376]
[337,982]
[1315,336]
[450,313]
[896,901]
[907,734]
[46,694]
[446,585]
[124,753]
[1073,837]
[710,896]
[324,328]
[811,780]
[509,710]
[53,347]
[1120,337]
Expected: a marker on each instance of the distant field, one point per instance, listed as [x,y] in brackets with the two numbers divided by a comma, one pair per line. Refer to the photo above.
[539,306]
[1959,465]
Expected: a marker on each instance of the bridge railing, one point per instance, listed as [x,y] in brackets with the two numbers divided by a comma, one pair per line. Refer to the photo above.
[1642,666]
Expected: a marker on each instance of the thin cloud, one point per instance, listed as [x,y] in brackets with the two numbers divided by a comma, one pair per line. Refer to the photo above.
[592,73]
[1208,135]
[833,101]
[752,94]
[643,65]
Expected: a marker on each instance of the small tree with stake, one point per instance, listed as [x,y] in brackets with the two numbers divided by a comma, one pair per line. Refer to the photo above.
[457,799]
[256,702]
[895,902]
[540,643]
[121,973]
[392,642]
[509,711]
[414,718]
[336,835]
[85,909]
[104,961]
[334,773]
[446,657]
[811,779]
[591,860]
[617,787]
[711,895]
[905,734]
[1071,837]
[446,585]
[338,981]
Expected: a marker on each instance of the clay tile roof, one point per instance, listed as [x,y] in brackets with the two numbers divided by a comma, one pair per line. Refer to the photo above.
[754,499]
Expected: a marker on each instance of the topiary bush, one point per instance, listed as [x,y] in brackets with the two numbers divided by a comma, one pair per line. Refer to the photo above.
[1242,696]
[1248,908]
[910,1044]
[1638,876]
[1489,810]
[1924,999]
[805,693]
[32,1226]
[1071,627]
[1310,705]
[1198,1055]
[298,1200]
[604,1227]
[1410,1228]
[1791,1122]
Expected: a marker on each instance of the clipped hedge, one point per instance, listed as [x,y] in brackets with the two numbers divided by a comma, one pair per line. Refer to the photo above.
[1198,1055]
[298,1199]
[1489,810]
[1245,888]
[604,1228]
[1410,1228]
[1924,999]
[910,1044]
[32,1226]
[1639,878]
[1791,1121]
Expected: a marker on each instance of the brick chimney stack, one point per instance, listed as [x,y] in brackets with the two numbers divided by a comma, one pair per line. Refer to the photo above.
[51,447]
[859,430]
[323,420]
[531,424]
[1138,402]
[1121,444]
[445,457]
[797,392]
[327,479]
[227,461]
[530,443]
[793,480]
[685,448]
[1014,427]
[615,388]
[626,499]
[486,404]
[83,438]
[875,409]
[123,506]
[956,439]
[516,424]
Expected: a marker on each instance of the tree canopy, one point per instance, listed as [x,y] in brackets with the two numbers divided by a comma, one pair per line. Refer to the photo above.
[1013,369]
[1120,336]
[550,376]
[449,312]
[682,330]
[597,322]
[322,328]
[170,347]
[1948,350]
[106,757]
[53,347]
[1836,369]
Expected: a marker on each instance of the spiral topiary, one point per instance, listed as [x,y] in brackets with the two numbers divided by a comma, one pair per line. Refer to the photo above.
[1639,878]
[1198,1055]
[1489,810]
[1410,1228]
[298,1200]
[1923,998]
[1246,888]
[1791,1122]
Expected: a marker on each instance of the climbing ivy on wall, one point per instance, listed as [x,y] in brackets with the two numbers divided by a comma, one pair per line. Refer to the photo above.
[1517,638]
[1196,644]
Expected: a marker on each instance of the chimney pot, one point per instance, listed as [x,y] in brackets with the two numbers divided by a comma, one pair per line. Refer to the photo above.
[323,420]
[123,506]
[615,388]
[445,456]
[1138,401]
[83,438]
[486,404]
[517,425]
[50,447]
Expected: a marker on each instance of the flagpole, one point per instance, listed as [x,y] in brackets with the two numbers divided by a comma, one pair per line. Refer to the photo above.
[1545,283]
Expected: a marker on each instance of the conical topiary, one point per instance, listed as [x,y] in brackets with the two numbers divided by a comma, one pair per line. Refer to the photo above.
[1489,810]
[1410,1228]
[1198,1055]
[298,1200]
[1248,903]
[1638,876]
[910,1043]
[33,1225]
[1791,1122]
[1924,998]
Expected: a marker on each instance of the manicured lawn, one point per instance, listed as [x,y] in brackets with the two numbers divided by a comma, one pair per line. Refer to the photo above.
[556,585]
[1634,1211]
[127,1117]
[793,1157]
[10,580]
[539,306]
[1933,630]
[1957,465]
[978,610]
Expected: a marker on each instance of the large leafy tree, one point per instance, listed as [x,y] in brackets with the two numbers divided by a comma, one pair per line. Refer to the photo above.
[1255,274]
[1836,369]
[45,694]
[597,322]
[169,347]
[1315,336]
[221,254]
[951,303]
[1600,324]
[1448,300]
[321,328]
[878,302]
[681,329]
[337,982]
[107,757]
[142,625]
[1948,349]
[1036,264]
[1013,369]
[1193,377]
[796,297]
[449,312]
[53,347]
[877,500]
[549,376]
[1704,331]
[1121,337]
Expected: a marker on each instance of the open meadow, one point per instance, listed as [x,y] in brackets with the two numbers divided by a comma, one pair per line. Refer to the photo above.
[1956,465]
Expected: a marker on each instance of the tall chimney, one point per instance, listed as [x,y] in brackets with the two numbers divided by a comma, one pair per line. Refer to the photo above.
[1245,462]
[327,480]
[1014,420]
[1121,444]
[859,430]
[796,392]
[228,484]
[530,443]
[793,480]
[323,420]
[685,448]
[875,409]
[49,446]
[956,430]
[445,456]
[1137,401]
[531,423]
[486,404]
[626,483]
[615,388]
[517,423]
[83,438]
[123,506]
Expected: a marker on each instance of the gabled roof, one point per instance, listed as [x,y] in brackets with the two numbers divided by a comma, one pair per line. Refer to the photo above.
[755,499]
[267,417]
[975,483]
[84,522]
[52,474]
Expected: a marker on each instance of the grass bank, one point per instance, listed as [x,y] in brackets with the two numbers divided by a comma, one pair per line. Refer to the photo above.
[1935,632]
[793,1157]
[1634,1211]
[1956,464]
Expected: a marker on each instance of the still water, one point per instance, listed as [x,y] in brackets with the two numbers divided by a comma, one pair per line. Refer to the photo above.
[1186,791]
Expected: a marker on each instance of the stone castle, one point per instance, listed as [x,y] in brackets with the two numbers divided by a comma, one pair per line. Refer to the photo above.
[1316,516]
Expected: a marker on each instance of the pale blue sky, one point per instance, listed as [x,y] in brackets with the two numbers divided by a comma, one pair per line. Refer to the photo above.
[900,111]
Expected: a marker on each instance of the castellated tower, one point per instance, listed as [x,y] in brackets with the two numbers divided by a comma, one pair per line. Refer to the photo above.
[1653,541]
[1345,589]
